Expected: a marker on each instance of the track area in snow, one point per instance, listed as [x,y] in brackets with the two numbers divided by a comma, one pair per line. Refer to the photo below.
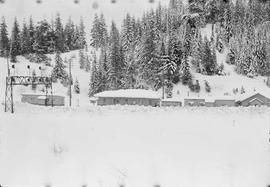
[134,146]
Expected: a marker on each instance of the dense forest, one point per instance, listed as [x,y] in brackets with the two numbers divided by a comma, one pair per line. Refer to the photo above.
[37,40]
[159,49]
[165,44]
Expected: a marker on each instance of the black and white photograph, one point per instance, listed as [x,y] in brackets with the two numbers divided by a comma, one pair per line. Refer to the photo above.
[134,93]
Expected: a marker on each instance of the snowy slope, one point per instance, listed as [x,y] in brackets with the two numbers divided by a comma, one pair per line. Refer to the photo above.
[223,85]
[21,69]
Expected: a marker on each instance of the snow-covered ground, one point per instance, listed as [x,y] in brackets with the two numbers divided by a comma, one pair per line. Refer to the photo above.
[134,146]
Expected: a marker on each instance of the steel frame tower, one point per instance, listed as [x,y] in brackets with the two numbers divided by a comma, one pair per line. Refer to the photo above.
[25,80]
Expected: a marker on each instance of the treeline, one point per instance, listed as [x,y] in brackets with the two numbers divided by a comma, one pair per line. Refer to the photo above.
[145,53]
[149,52]
[243,27]
[247,34]
[41,38]
[161,47]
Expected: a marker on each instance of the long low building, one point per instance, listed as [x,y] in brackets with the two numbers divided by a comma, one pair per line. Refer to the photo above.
[209,102]
[42,99]
[151,98]
[127,97]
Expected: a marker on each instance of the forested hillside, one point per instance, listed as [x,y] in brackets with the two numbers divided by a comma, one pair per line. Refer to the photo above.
[161,48]
[165,43]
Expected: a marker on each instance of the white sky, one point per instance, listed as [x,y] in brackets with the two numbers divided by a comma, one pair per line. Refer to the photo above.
[48,9]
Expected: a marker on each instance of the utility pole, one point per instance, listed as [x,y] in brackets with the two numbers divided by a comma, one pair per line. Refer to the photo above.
[70,96]
[163,88]
[8,70]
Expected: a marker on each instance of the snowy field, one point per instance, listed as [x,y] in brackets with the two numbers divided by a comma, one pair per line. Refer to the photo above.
[134,146]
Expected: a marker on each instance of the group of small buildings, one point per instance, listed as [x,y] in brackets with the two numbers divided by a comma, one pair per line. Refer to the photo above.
[151,98]
[148,98]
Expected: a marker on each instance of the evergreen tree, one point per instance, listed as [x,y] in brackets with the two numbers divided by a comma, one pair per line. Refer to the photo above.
[82,39]
[70,35]
[103,69]
[76,87]
[94,82]
[115,59]
[95,32]
[127,35]
[82,59]
[4,41]
[76,39]
[197,53]
[103,31]
[59,72]
[25,40]
[146,52]
[43,43]
[99,35]
[87,64]
[186,76]
[31,30]
[227,23]
[209,63]
[59,35]
[15,41]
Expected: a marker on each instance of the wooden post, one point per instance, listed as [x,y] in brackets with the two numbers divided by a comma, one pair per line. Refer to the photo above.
[12,106]
[163,89]
[70,83]
[51,92]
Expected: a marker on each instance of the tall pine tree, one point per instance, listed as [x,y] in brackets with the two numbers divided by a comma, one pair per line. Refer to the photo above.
[4,41]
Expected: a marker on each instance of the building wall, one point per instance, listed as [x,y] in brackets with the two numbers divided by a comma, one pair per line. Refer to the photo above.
[218,103]
[35,100]
[194,102]
[171,103]
[209,104]
[265,100]
[102,101]
[256,103]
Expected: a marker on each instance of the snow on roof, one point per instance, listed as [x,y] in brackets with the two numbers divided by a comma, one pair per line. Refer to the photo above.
[130,93]
[34,93]
[171,100]
[255,99]
[242,97]
[41,94]
[210,99]
[93,99]
[228,98]
[41,97]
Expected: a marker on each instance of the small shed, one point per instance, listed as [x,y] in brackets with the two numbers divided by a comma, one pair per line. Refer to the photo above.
[128,97]
[255,100]
[42,99]
[194,102]
[224,102]
[171,102]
